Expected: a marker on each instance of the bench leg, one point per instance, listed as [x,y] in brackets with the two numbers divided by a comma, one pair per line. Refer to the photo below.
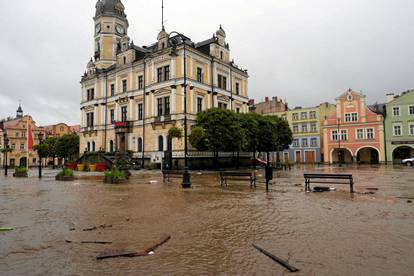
[352,186]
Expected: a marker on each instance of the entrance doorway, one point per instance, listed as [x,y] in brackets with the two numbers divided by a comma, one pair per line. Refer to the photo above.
[23,162]
[402,153]
[298,157]
[368,155]
[286,157]
[310,157]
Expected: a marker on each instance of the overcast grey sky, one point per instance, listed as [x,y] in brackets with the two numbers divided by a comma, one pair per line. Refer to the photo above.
[305,51]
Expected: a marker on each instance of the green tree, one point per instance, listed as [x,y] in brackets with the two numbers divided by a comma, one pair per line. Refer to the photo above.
[67,147]
[198,138]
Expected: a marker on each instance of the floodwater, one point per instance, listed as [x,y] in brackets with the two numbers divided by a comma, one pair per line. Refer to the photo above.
[212,229]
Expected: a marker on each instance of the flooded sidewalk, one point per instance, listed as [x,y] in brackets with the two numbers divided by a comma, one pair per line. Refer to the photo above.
[212,229]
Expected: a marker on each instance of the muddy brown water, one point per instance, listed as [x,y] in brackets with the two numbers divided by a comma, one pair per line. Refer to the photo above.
[212,229]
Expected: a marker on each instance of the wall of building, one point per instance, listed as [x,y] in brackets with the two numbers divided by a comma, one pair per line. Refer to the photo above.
[400,146]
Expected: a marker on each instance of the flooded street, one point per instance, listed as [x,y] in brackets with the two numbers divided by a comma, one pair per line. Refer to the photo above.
[212,229]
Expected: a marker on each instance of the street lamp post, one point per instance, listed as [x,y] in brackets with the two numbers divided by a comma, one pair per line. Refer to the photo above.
[339,144]
[40,136]
[6,149]
[186,175]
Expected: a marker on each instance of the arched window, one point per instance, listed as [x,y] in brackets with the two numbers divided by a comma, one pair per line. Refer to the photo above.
[139,144]
[124,60]
[160,143]
[93,146]
[89,146]
[221,54]
[111,146]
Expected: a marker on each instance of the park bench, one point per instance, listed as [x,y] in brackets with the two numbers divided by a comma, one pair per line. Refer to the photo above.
[167,174]
[347,179]
[238,175]
[329,179]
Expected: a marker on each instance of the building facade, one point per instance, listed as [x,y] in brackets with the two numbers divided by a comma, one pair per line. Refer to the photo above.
[132,96]
[354,133]
[306,128]
[269,106]
[17,131]
[61,129]
[399,126]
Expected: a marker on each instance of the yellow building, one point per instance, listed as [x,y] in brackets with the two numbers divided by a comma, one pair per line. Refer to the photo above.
[132,96]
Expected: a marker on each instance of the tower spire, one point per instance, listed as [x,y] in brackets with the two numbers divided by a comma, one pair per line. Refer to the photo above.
[162,15]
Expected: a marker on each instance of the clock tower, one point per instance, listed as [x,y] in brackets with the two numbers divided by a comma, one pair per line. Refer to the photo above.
[111,26]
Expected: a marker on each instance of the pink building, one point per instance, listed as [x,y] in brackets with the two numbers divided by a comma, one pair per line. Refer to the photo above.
[355,133]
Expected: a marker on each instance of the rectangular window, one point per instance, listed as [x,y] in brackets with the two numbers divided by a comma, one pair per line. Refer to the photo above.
[112,90]
[344,135]
[166,73]
[89,119]
[124,86]
[90,94]
[370,133]
[13,146]
[295,116]
[411,127]
[351,117]
[199,74]
[159,75]
[396,111]
[222,105]
[304,115]
[360,134]
[237,88]
[237,110]
[167,105]
[112,116]
[397,130]
[304,128]
[334,135]
[140,111]
[312,114]
[295,143]
[159,107]
[304,143]
[313,127]
[222,82]
[295,128]
[314,142]
[199,104]
[140,82]
[411,110]
[22,146]
[124,113]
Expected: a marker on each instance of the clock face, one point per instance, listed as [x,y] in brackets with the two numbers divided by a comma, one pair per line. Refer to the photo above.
[98,28]
[120,29]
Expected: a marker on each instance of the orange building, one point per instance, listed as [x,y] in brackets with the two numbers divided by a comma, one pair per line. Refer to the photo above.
[61,129]
[354,133]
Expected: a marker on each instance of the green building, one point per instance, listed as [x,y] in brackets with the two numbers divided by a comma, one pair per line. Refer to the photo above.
[399,126]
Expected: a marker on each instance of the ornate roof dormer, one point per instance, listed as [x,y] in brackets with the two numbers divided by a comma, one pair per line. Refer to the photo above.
[110,8]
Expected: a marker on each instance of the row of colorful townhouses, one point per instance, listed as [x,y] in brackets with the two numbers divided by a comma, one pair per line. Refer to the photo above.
[16,131]
[349,131]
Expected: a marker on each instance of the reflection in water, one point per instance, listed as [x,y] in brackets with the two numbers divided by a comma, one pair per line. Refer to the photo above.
[212,229]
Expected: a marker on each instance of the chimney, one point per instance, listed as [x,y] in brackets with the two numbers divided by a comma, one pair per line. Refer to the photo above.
[390,97]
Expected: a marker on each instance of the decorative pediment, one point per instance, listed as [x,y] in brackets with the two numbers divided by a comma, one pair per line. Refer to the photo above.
[223,98]
[162,91]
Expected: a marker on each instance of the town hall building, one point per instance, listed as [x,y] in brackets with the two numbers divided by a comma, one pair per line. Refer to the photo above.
[132,95]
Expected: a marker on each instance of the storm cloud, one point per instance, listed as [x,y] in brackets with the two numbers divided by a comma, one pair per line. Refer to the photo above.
[303,51]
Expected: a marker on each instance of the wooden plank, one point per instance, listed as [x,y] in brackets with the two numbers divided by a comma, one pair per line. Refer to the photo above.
[277,259]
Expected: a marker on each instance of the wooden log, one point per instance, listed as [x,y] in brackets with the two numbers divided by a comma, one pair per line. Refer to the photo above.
[277,259]
[124,253]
